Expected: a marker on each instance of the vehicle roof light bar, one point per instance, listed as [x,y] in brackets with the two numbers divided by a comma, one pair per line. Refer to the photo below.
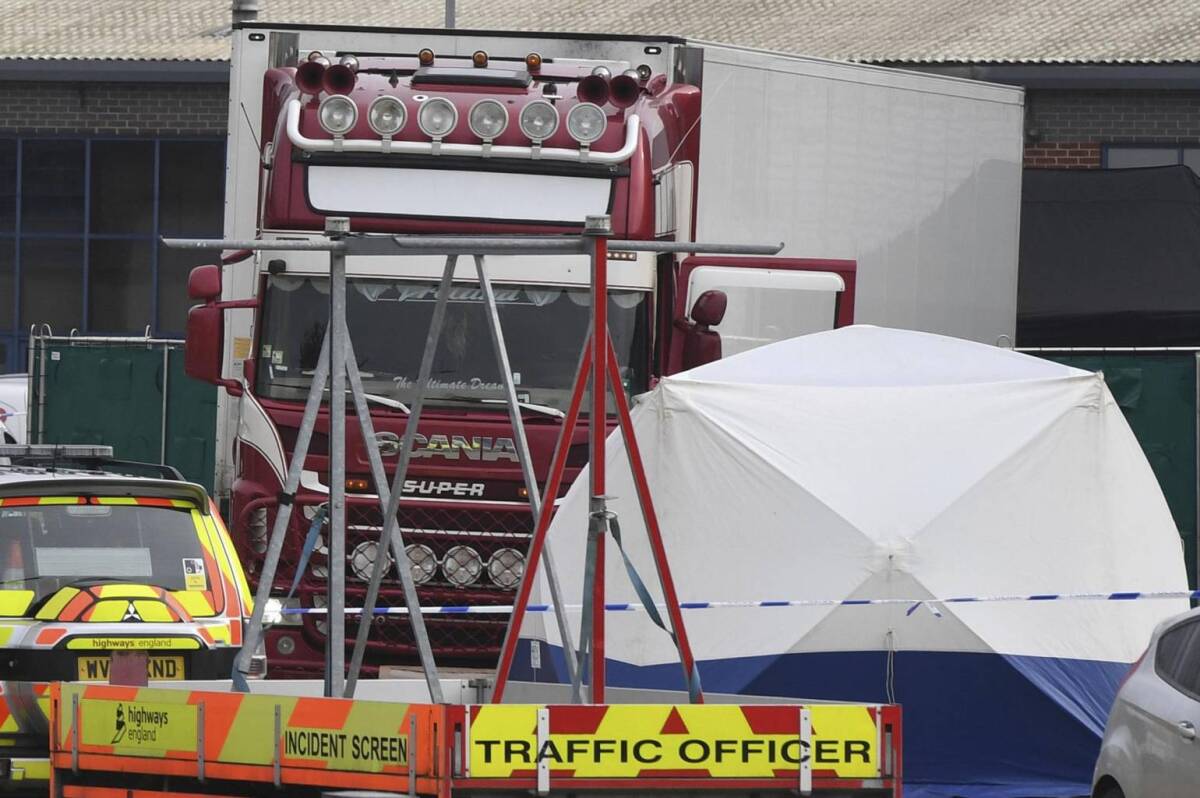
[53,450]
[633,127]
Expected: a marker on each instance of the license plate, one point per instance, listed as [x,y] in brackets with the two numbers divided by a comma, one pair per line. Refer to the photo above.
[95,669]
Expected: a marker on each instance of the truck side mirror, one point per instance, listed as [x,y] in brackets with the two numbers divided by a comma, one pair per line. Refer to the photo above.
[204,283]
[701,344]
[204,350]
[205,343]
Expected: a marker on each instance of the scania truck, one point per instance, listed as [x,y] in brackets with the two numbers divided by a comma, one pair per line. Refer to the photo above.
[896,195]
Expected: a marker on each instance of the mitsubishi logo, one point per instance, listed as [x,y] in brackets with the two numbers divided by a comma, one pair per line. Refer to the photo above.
[131,614]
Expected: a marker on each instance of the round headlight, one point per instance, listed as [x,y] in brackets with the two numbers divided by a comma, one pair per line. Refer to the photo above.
[488,119]
[362,559]
[506,567]
[421,561]
[437,117]
[539,120]
[586,122]
[337,114]
[387,116]
[462,566]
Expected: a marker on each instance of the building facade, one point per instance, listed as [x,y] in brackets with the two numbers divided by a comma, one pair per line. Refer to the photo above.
[92,174]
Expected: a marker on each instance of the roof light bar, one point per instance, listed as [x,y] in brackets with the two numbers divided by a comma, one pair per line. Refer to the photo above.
[633,130]
[51,450]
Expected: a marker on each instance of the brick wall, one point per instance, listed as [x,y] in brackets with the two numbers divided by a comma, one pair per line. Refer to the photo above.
[1062,155]
[125,109]
[1067,129]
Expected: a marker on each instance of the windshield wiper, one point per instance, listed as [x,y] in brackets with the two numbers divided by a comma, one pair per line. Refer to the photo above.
[383,400]
[388,402]
[545,410]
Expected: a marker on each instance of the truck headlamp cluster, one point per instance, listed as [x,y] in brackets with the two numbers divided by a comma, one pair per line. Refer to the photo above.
[387,116]
[586,122]
[437,117]
[539,120]
[488,119]
[337,114]
[461,566]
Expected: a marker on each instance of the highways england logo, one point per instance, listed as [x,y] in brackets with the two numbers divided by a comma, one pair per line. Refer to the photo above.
[137,725]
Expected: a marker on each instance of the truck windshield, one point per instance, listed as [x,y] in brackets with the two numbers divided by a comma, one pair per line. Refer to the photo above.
[45,547]
[544,328]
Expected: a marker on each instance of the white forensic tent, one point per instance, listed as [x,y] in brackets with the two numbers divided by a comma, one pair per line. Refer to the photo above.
[868,463]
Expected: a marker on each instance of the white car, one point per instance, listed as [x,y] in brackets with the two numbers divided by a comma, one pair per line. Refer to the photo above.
[1150,748]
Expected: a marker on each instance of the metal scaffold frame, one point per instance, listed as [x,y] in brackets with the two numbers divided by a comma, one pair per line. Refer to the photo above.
[598,371]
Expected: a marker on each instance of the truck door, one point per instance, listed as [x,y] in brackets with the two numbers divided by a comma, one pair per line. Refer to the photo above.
[766,300]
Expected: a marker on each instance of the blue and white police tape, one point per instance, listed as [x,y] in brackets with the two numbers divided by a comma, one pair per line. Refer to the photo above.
[913,604]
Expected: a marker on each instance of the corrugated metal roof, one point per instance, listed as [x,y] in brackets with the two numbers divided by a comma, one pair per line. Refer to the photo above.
[918,31]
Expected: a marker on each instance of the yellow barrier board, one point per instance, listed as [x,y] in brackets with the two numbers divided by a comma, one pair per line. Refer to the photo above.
[628,741]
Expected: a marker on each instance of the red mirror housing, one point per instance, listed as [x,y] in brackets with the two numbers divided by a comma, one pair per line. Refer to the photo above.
[709,308]
[204,283]
[205,344]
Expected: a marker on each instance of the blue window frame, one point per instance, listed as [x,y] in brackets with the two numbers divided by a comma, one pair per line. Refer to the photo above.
[80,221]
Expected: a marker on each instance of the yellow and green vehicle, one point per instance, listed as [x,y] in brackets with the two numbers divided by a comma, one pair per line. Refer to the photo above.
[96,560]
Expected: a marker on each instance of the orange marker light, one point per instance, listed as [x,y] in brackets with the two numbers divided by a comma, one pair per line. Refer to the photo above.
[357,485]
[533,62]
[479,58]
[425,57]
